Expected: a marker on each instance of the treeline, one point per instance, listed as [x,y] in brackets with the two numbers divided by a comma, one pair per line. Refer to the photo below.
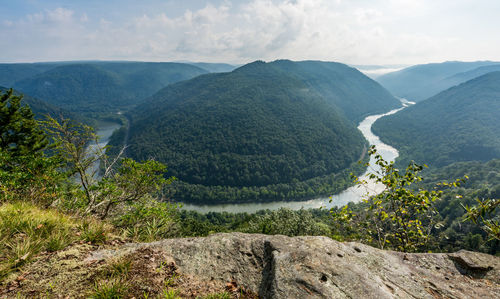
[296,190]
[459,124]
[257,133]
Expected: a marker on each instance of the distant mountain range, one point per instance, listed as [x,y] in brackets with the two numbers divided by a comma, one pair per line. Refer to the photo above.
[459,124]
[95,88]
[420,82]
[41,109]
[265,131]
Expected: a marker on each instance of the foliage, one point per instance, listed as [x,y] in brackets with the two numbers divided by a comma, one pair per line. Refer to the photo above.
[100,88]
[109,289]
[131,182]
[148,221]
[287,222]
[25,170]
[485,214]
[400,217]
[459,124]
[257,133]
[26,230]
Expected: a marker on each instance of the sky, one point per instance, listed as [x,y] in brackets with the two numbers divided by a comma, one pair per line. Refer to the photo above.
[369,32]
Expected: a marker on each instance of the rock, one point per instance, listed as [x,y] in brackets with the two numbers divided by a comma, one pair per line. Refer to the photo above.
[319,267]
[272,267]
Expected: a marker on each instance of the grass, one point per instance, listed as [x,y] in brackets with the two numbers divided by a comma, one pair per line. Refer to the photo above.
[221,295]
[109,289]
[27,230]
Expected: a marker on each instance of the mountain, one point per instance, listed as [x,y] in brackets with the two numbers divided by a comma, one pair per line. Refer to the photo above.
[97,87]
[420,82]
[41,108]
[259,132]
[459,124]
[214,67]
[13,72]
[345,88]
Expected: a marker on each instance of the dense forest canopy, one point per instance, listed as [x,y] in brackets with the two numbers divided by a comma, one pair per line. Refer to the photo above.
[419,82]
[459,124]
[41,109]
[92,88]
[344,88]
[264,129]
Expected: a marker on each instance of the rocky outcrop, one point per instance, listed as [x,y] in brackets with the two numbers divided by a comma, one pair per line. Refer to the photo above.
[319,267]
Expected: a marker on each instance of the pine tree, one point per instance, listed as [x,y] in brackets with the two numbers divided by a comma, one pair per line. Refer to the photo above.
[26,173]
[20,134]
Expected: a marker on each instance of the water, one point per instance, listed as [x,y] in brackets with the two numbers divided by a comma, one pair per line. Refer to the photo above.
[352,194]
[104,130]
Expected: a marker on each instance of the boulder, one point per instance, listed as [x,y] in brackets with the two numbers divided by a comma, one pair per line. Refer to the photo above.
[319,267]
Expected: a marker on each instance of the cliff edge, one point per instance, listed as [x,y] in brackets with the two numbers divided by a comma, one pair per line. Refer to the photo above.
[252,265]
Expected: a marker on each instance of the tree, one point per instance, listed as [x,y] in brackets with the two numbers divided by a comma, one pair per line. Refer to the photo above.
[486,215]
[401,217]
[26,173]
[20,133]
[123,181]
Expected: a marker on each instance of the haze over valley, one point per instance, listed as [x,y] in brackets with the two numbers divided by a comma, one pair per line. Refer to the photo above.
[358,121]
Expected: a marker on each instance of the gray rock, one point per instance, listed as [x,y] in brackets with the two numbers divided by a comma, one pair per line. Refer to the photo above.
[319,267]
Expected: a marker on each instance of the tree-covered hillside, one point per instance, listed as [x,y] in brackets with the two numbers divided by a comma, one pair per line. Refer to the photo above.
[344,87]
[99,87]
[13,72]
[257,133]
[42,109]
[420,82]
[459,124]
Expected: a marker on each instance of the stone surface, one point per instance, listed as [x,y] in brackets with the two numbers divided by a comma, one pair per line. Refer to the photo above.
[318,267]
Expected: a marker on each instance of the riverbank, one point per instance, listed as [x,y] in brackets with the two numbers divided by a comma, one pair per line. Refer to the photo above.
[352,194]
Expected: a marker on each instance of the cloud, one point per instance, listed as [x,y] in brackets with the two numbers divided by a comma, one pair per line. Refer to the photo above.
[363,32]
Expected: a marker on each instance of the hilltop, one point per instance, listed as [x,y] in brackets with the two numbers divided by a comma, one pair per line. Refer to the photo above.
[265,131]
[459,124]
[419,82]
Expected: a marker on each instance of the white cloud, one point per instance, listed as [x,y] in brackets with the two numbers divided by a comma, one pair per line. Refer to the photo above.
[362,32]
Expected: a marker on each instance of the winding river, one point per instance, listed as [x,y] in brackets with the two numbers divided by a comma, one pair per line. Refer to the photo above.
[352,194]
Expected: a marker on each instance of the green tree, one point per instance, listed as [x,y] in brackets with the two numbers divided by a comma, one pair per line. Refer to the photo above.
[26,172]
[123,180]
[485,214]
[401,217]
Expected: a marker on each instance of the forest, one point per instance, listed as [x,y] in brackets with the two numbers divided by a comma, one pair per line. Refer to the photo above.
[459,124]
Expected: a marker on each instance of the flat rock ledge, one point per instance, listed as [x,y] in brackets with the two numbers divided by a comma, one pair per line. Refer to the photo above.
[319,267]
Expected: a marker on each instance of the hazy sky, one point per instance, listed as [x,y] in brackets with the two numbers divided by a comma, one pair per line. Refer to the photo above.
[349,31]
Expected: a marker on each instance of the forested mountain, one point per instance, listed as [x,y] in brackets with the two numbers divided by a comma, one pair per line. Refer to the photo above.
[13,72]
[266,131]
[343,87]
[459,124]
[214,67]
[103,86]
[41,108]
[420,82]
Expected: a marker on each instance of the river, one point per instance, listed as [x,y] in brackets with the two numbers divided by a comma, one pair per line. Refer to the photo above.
[352,194]
[104,130]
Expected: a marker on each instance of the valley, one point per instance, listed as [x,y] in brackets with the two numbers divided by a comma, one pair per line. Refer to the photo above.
[351,194]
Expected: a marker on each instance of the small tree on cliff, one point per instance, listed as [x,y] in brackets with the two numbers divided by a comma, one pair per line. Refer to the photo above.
[123,181]
[401,217]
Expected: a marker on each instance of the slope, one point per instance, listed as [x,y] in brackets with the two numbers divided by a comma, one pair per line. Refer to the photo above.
[41,109]
[257,133]
[100,87]
[459,124]
[344,87]
[13,72]
[419,82]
